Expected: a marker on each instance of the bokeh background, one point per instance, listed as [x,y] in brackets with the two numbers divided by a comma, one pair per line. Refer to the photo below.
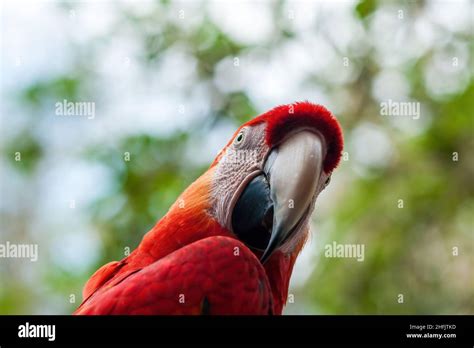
[172,80]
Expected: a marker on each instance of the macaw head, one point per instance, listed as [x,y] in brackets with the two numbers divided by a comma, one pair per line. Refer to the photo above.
[269,175]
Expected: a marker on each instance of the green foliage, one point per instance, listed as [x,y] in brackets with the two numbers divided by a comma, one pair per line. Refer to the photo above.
[365,7]
[58,88]
[408,250]
[24,153]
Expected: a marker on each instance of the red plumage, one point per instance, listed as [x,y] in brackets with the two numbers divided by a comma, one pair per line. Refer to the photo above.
[187,281]
[306,115]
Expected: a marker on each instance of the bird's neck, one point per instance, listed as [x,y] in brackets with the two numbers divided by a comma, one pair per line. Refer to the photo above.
[187,221]
[279,268]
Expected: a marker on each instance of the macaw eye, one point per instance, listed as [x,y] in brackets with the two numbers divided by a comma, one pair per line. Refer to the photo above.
[328,180]
[239,138]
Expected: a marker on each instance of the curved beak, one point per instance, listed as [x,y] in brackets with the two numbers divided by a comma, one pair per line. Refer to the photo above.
[293,170]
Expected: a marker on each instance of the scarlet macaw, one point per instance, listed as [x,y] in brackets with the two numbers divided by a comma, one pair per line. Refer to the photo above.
[229,243]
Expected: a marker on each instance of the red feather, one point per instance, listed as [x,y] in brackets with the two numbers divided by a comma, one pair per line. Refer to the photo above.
[282,119]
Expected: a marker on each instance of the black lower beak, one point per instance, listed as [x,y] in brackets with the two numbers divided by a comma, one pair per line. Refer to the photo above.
[252,218]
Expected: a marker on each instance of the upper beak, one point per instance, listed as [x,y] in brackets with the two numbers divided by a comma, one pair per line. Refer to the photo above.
[293,170]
